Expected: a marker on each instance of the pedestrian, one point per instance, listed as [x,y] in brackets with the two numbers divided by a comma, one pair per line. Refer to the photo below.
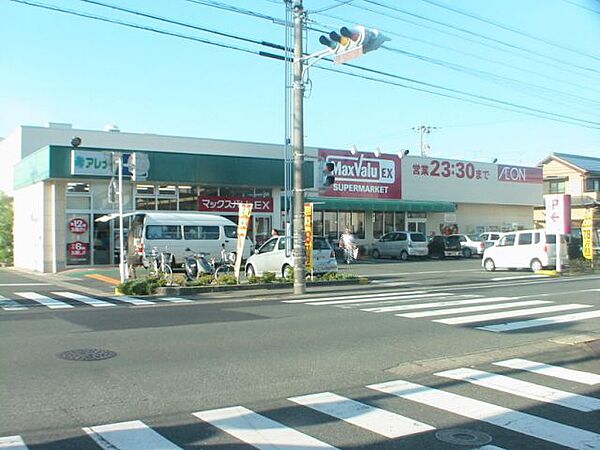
[274,232]
[348,243]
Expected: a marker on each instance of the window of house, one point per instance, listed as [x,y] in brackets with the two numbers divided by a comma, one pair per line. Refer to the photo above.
[554,186]
[592,184]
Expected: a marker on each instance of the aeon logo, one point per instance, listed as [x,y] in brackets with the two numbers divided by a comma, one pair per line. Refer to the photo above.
[364,170]
[519,174]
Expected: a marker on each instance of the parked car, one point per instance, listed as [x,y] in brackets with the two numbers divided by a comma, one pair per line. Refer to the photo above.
[533,249]
[442,246]
[471,244]
[400,244]
[490,238]
[271,257]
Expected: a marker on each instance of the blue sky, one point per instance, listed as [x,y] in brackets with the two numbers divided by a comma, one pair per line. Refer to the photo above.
[63,68]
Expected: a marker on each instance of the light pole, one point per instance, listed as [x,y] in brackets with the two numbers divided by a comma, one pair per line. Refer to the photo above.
[299,250]
[118,160]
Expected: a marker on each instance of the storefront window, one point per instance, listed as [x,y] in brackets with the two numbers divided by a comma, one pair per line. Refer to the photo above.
[188,200]
[399,221]
[208,191]
[227,191]
[388,222]
[344,221]
[167,204]
[258,192]
[145,203]
[78,239]
[330,225]
[167,191]
[78,203]
[318,223]
[80,188]
[377,224]
[144,189]
[417,215]
[358,224]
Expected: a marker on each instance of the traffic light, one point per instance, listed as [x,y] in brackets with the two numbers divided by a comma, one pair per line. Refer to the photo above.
[352,43]
[328,176]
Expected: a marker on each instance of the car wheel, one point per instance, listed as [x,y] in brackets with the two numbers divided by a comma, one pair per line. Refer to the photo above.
[376,254]
[489,265]
[404,256]
[250,271]
[287,271]
[536,265]
[467,253]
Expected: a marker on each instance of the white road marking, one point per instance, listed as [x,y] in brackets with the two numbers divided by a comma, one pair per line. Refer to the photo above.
[371,300]
[520,312]
[84,299]
[134,435]
[551,371]
[447,312]
[10,305]
[357,296]
[257,430]
[523,389]
[435,304]
[12,443]
[509,419]
[43,300]
[522,277]
[393,283]
[542,322]
[176,300]
[378,421]
[132,300]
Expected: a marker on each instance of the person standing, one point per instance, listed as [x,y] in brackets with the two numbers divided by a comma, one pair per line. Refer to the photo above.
[348,243]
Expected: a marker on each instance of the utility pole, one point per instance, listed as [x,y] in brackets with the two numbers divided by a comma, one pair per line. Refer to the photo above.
[299,250]
[423,130]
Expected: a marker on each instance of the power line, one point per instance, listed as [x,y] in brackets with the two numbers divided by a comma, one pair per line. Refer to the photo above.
[477,99]
[472,33]
[507,28]
[581,6]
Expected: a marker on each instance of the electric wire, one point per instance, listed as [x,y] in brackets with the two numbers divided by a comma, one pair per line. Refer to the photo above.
[474,98]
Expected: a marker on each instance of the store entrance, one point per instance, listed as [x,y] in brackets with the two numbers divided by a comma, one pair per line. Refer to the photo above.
[101,241]
[418,226]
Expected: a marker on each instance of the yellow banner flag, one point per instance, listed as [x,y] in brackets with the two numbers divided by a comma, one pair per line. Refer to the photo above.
[308,229]
[245,211]
[587,234]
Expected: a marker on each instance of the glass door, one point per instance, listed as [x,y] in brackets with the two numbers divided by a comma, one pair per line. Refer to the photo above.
[101,241]
[417,225]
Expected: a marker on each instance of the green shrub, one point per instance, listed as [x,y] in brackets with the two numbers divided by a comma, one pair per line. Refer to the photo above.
[332,276]
[204,280]
[268,277]
[226,280]
[135,287]
[253,279]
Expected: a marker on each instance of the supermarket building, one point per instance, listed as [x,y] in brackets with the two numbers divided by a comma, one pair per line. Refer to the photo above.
[60,190]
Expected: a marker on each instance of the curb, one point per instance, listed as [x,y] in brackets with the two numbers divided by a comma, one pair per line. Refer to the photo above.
[183,290]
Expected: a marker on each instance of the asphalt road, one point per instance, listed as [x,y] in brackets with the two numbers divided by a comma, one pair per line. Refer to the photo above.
[415,325]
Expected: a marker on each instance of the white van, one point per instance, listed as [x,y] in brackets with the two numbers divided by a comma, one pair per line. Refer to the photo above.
[533,249]
[175,232]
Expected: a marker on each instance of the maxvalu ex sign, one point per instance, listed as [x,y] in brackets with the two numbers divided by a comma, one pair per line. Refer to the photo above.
[362,175]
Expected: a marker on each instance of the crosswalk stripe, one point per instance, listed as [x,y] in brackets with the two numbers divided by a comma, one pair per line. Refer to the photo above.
[501,315]
[542,322]
[489,447]
[44,300]
[84,299]
[521,277]
[523,389]
[134,435]
[176,300]
[257,430]
[357,296]
[382,422]
[132,300]
[551,371]
[372,300]
[435,304]
[449,311]
[10,305]
[12,443]
[509,419]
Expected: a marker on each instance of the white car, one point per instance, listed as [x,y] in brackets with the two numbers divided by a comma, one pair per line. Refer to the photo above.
[271,257]
[471,244]
[490,238]
[533,249]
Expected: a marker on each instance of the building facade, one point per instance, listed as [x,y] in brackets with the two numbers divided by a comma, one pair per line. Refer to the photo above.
[60,191]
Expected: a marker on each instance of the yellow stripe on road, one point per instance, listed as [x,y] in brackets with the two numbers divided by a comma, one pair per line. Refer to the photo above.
[109,280]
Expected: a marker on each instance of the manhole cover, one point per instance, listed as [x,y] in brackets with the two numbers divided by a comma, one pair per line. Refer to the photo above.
[87,354]
[459,436]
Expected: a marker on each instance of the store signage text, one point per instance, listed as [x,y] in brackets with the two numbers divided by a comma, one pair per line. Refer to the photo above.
[230,204]
[78,226]
[78,249]
[450,169]
[520,174]
[85,162]
[362,175]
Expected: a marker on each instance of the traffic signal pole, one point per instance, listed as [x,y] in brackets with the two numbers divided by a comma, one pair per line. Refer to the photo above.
[299,249]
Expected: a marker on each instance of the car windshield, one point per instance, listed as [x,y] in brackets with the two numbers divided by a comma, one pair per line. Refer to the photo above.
[474,237]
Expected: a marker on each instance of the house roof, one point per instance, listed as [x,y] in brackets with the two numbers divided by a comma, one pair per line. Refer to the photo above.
[583,163]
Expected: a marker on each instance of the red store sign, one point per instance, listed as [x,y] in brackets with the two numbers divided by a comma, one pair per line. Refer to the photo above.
[78,226]
[230,204]
[78,250]
[363,175]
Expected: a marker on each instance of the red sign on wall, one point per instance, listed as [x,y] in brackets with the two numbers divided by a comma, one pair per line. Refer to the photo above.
[363,175]
[77,225]
[230,204]
[78,250]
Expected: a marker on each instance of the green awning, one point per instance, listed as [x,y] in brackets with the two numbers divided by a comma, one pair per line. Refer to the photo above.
[369,204]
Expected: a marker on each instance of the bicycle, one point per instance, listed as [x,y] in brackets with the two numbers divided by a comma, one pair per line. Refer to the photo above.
[226,266]
[160,265]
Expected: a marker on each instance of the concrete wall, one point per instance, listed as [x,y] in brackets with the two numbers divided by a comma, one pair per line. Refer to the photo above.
[29,236]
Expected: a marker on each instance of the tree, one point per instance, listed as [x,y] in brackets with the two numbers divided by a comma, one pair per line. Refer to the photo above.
[6,229]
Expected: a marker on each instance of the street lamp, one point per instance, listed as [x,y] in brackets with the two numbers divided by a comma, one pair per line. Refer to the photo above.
[402,153]
[377,152]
